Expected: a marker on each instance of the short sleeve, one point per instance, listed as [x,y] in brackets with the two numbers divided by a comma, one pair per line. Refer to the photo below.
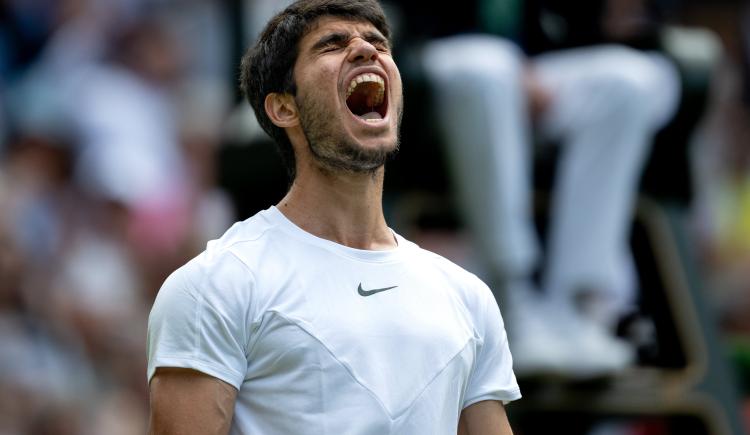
[492,377]
[199,321]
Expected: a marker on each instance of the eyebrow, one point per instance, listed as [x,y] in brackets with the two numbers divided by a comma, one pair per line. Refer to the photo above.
[339,38]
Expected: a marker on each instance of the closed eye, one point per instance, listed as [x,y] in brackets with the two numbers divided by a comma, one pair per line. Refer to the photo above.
[330,42]
[378,41]
[330,48]
[337,41]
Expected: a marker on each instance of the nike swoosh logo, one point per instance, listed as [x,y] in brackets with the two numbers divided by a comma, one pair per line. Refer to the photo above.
[363,292]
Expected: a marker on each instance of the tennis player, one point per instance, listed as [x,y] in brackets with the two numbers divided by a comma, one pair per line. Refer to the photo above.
[313,316]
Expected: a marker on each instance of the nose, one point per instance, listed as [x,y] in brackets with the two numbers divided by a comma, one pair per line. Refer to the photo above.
[362,50]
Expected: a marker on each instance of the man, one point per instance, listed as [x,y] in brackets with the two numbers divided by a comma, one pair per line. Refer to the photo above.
[313,317]
[602,103]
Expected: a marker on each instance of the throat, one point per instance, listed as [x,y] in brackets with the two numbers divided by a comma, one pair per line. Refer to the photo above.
[355,221]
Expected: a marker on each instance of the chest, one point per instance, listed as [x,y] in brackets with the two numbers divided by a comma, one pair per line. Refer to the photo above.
[392,330]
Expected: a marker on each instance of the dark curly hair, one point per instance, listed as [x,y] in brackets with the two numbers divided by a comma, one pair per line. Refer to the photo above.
[269,65]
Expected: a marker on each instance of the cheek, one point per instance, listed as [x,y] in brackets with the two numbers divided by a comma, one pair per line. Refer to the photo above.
[397,94]
[395,79]
[326,74]
[324,87]
[319,81]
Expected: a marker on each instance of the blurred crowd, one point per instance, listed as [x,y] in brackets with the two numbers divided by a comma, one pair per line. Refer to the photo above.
[113,115]
[111,119]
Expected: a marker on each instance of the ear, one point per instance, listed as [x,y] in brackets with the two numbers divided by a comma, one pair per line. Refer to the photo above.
[281,109]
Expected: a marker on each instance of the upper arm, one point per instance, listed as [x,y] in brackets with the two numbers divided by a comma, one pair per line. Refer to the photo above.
[186,402]
[484,418]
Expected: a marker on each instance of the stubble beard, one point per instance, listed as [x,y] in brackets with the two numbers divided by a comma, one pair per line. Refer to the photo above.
[335,152]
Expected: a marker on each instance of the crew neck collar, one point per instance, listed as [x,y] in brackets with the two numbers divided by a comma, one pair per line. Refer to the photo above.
[291,228]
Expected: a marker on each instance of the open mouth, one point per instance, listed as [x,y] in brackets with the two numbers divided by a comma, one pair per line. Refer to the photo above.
[365,97]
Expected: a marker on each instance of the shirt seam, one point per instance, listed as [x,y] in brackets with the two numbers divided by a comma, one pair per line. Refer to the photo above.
[348,369]
[193,289]
[230,245]
[246,330]
[437,375]
[200,301]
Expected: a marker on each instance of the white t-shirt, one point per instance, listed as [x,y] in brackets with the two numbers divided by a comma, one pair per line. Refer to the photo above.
[322,339]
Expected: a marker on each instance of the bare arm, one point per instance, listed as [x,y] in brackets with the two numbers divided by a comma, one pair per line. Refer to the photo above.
[187,402]
[484,418]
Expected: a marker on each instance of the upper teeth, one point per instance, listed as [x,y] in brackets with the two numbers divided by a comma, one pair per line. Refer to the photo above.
[368,77]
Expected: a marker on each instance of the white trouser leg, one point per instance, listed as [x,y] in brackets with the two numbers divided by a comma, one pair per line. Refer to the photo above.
[607,102]
[481,108]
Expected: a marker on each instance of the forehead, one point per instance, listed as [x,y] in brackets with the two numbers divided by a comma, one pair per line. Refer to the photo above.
[332,24]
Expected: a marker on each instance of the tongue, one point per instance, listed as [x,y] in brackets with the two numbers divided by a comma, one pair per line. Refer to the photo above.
[371,115]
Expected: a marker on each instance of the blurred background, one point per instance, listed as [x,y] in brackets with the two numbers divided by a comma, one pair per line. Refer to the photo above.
[125,146]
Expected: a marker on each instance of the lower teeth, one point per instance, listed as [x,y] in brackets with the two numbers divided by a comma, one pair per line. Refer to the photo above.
[371,116]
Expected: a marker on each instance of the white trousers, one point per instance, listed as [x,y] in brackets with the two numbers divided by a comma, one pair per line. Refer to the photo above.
[606,103]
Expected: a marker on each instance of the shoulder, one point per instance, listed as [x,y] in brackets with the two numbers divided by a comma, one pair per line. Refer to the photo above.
[251,233]
[226,269]
[239,250]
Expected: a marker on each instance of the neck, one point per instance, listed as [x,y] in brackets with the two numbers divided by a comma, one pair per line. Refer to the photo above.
[345,208]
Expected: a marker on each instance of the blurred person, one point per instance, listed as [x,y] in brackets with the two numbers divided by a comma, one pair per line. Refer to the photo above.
[127,152]
[43,45]
[115,103]
[73,314]
[34,195]
[139,134]
[603,103]
[65,230]
[319,281]
[24,30]
[65,326]
[47,379]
